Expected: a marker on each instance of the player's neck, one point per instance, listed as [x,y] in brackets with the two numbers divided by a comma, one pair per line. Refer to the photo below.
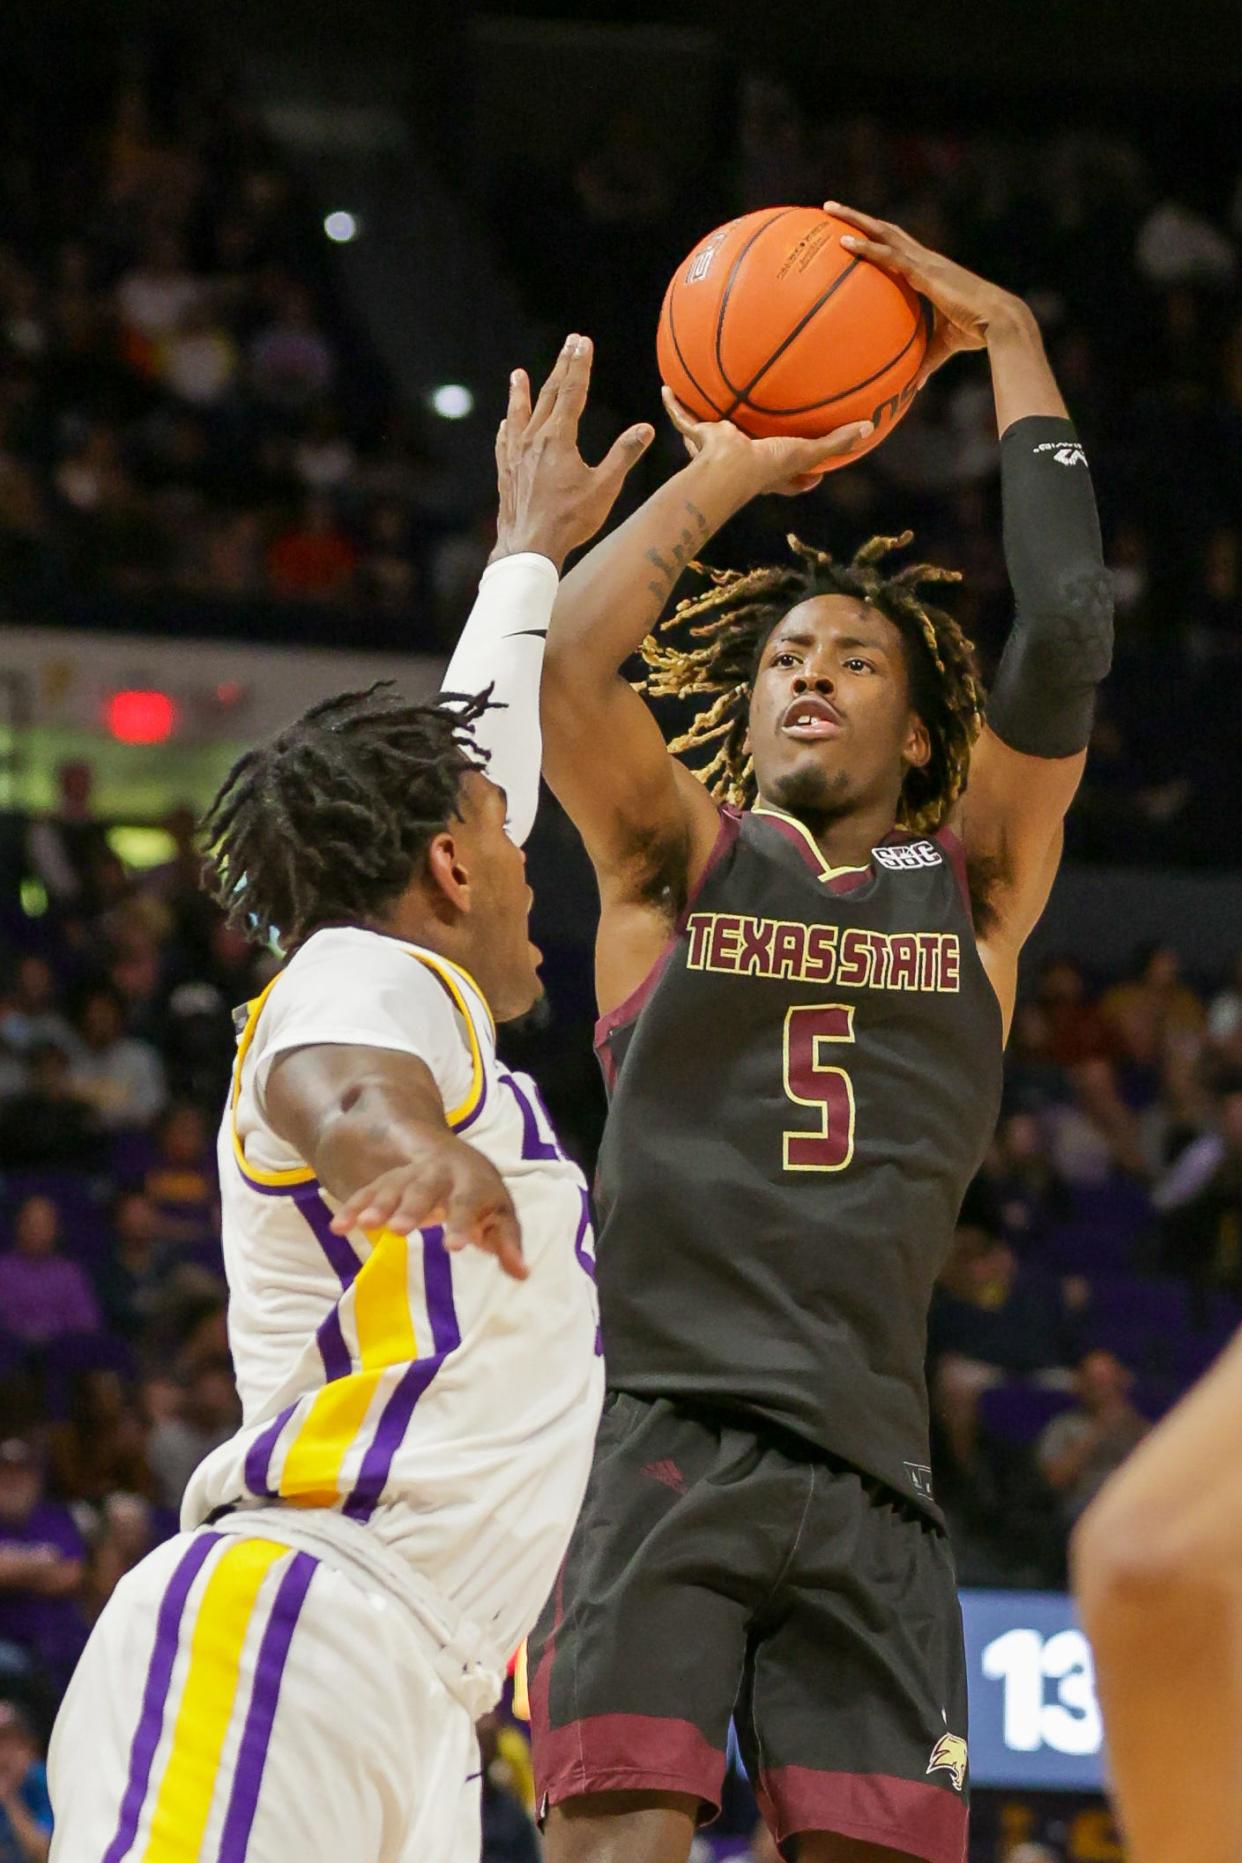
[412,925]
[845,838]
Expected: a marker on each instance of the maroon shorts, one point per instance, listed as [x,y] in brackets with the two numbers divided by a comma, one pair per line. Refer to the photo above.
[714,1574]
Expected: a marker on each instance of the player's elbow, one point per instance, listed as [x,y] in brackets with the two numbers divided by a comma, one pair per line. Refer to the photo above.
[1128,1556]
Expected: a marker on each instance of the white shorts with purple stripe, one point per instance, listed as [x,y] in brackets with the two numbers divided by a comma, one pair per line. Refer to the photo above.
[241,1701]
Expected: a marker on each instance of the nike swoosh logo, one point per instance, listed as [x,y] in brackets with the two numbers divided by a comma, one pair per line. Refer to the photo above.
[540,633]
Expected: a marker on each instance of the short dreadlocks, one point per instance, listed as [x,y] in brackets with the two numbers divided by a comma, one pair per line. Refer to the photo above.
[328,822]
[734,618]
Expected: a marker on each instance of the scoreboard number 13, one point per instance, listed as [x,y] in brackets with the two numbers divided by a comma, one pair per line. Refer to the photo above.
[811,1080]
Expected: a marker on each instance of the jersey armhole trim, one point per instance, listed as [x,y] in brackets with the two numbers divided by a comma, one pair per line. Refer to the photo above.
[632,1006]
[468,1109]
[255,1175]
[458,1118]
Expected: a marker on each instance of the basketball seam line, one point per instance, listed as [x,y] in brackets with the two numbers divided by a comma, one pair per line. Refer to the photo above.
[690,376]
[744,393]
[724,300]
[808,407]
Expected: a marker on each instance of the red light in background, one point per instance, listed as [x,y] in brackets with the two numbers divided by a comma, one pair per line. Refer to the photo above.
[140,717]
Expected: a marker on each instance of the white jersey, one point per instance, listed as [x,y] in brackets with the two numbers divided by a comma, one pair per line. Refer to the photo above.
[425,1395]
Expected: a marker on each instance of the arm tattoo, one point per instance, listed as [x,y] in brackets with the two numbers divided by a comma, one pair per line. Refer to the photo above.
[681,553]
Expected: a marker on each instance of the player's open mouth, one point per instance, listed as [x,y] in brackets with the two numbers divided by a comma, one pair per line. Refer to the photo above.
[811,717]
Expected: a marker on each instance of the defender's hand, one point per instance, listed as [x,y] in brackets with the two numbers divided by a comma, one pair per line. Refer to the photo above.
[550,499]
[453,1185]
[965,305]
[781,464]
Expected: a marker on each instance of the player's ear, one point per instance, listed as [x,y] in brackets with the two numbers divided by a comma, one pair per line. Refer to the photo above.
[447,872]
[916,751]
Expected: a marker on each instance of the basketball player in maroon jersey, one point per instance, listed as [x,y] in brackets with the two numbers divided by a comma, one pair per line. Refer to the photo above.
[805,981]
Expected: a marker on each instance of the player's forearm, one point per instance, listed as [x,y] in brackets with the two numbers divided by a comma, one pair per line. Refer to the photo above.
[1022,378]
[375,1133]
[610,601]
[1043,697]
[32,1840]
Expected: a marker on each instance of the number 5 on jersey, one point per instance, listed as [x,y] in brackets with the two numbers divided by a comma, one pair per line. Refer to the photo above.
[812,1081]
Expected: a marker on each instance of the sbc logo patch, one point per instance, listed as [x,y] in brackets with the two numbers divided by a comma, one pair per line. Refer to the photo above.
[907,859]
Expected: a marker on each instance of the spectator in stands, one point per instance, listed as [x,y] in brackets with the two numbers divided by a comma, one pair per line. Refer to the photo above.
[387,580]
[1033,1081]
[1029,1194]
[181,1181]
[291,361]
[121,1076]
[34,1017]
[1154,1006]
[153,298]
[508,1834]
[43,1296]
[1199,1200]
[101,1445]
[129,1527]
[25,1808]
[1224,1024]
[137,1265]
[1095,1134]
[66,848]
[198,361]
[1076,1030]
[42,1562]
[48,1122]
[206,1417]
[991,1321]
[1079,1450]
[313,560]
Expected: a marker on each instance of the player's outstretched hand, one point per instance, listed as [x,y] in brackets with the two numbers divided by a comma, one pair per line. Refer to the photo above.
[550,499]
[453,1186]
[964,304]
[782,464]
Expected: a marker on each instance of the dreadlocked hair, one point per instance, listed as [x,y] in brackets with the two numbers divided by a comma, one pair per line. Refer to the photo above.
[733,619]
[328,822]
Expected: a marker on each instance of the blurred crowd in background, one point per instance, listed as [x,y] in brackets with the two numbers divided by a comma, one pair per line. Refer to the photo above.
[186,409]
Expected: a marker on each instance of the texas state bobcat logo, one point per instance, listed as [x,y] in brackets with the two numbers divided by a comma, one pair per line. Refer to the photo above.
[949,1755]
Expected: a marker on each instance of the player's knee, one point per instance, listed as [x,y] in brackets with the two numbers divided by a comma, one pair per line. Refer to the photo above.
[621,1827]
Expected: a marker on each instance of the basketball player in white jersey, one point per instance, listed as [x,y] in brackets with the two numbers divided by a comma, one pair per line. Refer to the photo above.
[296,1677]
[1157,1562]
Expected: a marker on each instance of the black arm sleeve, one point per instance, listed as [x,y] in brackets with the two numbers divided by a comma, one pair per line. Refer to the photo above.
[1043,698]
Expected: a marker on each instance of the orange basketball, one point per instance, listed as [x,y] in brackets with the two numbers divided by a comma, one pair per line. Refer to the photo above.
[773,324]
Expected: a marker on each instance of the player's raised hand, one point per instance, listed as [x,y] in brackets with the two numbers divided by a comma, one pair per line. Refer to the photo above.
[964,304]
[782,464]
[550,499]
[453,1186]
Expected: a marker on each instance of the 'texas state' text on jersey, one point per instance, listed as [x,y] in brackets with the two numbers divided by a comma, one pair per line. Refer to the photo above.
[801,1093]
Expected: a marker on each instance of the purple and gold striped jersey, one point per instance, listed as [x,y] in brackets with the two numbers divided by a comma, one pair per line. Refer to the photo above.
[424,1395]
[800,1094]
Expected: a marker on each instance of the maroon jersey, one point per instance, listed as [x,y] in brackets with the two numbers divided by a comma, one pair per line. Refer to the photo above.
[800,1093]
